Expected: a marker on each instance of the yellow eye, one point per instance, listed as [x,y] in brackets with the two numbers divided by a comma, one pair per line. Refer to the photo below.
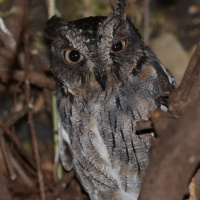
[118,47]
[72,56]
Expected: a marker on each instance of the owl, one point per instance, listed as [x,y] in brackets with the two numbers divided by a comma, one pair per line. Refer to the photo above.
[107,80]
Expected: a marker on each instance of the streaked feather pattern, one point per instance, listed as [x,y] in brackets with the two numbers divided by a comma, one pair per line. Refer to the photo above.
[100,99]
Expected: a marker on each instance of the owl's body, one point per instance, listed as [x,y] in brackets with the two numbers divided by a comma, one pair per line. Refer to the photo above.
[107,79]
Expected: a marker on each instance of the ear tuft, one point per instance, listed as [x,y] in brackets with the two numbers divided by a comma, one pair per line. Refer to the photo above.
[120,9]
[53,25]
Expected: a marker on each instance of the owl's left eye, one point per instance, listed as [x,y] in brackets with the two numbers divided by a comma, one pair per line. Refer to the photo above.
[119,47]
[72,56]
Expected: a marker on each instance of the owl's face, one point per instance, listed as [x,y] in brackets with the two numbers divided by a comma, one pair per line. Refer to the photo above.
[94,52]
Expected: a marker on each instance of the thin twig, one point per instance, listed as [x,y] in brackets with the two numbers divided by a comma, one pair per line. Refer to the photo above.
[30,120]
[51,7]
[21,172]
[16,142]
[15,117]
[132,14]
[36,155]
[143,125]
[6,154]
[35,78]
[61,185]
[13,36]
[4,190]
[146,21]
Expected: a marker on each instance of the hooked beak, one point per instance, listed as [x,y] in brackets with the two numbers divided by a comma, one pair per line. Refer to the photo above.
[101,79]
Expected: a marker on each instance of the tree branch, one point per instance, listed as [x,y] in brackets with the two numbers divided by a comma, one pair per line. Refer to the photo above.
[175,156]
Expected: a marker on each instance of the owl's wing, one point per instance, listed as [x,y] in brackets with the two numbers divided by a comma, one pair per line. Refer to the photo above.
[64,147]
[169,76]
[166,87]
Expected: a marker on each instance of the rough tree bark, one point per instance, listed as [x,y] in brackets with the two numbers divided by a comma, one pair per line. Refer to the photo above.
[175,156]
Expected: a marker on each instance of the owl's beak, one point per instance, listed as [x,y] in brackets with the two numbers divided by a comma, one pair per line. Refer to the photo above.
[101,79]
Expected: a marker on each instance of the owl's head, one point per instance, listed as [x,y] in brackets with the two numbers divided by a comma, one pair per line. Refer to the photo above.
[95,52]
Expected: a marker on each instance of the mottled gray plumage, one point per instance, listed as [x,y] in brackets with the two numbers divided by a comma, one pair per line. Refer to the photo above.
[107,79]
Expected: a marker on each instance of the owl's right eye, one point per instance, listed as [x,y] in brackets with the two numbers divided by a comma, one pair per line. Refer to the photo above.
[72,56]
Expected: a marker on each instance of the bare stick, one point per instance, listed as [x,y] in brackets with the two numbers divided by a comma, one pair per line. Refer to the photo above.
[51,7]
[35,78]
[62,184]
[12,136]
[4,190]
[146,21]
[21,172]
[143,125]
[6,154]
[30,120]
[132,14]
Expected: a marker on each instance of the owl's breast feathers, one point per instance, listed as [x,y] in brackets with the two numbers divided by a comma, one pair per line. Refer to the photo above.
[99,131]
[107,79]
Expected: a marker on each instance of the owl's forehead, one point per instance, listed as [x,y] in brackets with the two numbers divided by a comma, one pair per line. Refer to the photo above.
[85,34]
[87,26]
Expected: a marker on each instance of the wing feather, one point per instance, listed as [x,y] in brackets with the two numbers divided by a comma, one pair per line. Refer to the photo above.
[64,147]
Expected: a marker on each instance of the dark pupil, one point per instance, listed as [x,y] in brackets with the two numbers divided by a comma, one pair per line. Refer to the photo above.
[117,47]
[74,56]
